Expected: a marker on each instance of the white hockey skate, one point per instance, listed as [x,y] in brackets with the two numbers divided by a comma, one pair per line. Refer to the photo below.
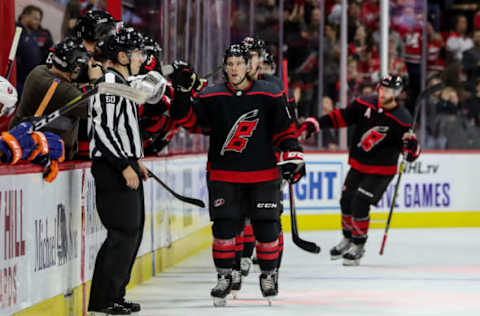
[340,249]
[236,282]
[221,290]
[353,255]
[245,265]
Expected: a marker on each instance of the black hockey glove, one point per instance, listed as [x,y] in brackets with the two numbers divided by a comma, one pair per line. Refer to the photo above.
[184,79]
[292,166]
[309,126]
[410,147]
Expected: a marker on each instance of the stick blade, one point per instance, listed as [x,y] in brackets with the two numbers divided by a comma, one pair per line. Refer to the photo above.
[306,245]
[182,198]
[193,201]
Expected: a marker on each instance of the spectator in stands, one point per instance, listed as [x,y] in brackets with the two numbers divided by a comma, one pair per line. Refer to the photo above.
[396,65]
[266,19]
[472,105]
[360,49]
[29,53]
[70,18]
[44,41]
[452,130]
[476,21]
[471,59]
[431,110]
[409,26]
[458,40]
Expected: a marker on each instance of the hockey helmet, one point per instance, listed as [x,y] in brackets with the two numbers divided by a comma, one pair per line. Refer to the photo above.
[270,60]
[94,25]
[152,47]
[8,93]
[70,56]
[125,40]
[237,50]
[154,56]
[393,82]
[254,44]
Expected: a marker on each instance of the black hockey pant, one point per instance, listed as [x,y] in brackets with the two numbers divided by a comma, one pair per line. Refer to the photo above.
[121,211]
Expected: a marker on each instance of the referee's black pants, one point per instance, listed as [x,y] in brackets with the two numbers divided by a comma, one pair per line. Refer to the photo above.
[121,211]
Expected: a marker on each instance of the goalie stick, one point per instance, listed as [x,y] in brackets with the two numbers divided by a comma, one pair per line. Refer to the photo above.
[182,198]
[120,90]
[424,94]
[13,51]
[303,244]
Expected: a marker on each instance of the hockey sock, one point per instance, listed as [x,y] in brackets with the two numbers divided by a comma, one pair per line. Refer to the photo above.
[248,241]
[360,218]
[360,230]
[347,226]
[280,249]
[239,240]
[223,251]
[267,254]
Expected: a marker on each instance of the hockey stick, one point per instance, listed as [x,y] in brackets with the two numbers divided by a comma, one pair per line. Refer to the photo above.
[303,244]
[185,199]
[101,88]
[424,94]
[13,51]
[48,96]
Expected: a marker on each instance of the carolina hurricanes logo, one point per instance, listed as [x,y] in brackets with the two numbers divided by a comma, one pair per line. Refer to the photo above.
[240,132]
[372,137]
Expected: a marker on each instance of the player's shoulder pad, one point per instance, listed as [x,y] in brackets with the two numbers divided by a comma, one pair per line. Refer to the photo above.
[370,101]
[265,88]
[274,80]
[402,116]
[215,90]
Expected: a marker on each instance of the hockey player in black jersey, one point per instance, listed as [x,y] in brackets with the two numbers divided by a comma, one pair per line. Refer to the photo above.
[258,52]
[247,119]
[380,136]
[156,126]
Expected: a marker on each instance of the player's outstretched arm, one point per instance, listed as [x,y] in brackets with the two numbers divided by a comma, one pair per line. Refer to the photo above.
[335,119]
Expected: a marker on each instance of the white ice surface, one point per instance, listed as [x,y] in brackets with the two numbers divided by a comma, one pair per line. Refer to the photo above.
[422,272]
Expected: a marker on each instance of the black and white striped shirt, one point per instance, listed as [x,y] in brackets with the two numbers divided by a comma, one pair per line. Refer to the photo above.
[113,127]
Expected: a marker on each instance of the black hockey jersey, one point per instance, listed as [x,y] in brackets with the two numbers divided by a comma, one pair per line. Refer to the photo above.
[377,140]
[276,81]
[245,126]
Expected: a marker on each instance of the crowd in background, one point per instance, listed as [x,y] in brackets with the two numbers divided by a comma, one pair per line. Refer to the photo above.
[453,114]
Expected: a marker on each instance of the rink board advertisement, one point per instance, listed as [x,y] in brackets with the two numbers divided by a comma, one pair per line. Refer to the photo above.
[435,182]
[50,233]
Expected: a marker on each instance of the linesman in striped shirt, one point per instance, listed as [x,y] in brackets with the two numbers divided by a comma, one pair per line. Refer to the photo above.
[116,150]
